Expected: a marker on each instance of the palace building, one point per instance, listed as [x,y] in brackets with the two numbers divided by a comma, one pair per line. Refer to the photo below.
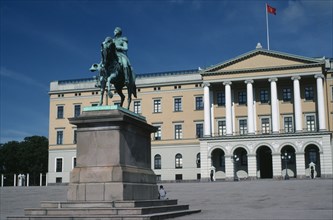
[263,114]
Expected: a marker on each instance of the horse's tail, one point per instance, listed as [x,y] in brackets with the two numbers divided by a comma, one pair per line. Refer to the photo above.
[134,90]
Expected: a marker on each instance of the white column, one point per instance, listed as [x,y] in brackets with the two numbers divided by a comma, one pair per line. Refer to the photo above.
[27,180]
[274,106]
[14,179]
[207,130]
[229,167]
[320,102]
[252,166]
[250,116]
[297,104]
[211,101]
[2,180]
[228,115]
[40,179]
[277,166]
[300,164]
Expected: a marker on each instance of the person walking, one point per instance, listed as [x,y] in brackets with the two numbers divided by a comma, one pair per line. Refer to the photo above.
[162,193]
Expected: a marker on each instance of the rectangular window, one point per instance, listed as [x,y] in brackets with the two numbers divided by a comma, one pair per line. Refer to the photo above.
[178,105]
[58,179]
[265,126]
[179,176]
[199,130]
[60,136]
[242,126]
[220,99]
[179,161]
[75,137]
[199,105]
[178,132]
[242,98]
[264,96]
[74,162]
[309,94]
[158,133]
[288,124]
[137,107]
[60,111]
[58,165]
[222,128]
[77,110]
[310,123]
[157,162]
[286,94]
[157,106]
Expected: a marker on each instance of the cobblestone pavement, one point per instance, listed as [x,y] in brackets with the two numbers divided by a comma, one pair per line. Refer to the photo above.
[260,199]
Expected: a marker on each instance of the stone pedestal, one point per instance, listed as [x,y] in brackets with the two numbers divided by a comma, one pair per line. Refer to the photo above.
[113,178]
[113,157]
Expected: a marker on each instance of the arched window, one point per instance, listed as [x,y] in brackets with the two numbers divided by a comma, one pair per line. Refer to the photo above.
[179,161]
[157,161]
[198,161]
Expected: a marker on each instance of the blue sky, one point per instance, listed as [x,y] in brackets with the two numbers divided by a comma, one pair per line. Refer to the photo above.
[43,41]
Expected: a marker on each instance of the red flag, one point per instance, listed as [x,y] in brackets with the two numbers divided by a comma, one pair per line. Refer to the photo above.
[271,10]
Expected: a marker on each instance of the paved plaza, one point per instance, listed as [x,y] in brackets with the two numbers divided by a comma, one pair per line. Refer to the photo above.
[260,199]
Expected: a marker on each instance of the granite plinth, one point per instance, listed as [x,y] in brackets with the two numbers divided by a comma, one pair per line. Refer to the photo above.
[113,157]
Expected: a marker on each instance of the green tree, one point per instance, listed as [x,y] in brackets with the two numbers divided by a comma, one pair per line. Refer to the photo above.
[28,156]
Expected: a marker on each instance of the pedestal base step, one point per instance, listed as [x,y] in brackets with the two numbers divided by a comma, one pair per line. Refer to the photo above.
[115,210]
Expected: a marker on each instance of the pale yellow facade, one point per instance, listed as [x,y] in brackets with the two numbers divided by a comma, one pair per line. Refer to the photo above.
[201,134]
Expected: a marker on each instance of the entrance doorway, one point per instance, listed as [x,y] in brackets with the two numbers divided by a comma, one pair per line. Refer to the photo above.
[288,161]
[264,162]
[218,162]
[312,156]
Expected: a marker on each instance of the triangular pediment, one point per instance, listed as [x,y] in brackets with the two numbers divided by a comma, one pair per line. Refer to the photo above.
[262,59]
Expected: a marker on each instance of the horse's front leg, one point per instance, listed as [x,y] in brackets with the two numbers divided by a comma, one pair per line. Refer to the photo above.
[109,87]
[129,97]
[102,92]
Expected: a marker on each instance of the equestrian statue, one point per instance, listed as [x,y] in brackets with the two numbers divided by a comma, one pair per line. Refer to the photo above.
[115,68]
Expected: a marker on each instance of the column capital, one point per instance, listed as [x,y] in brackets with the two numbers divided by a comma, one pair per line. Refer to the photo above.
[206,84]
[295,78]
[319,76]
[273,79]
[248,81]
[227,83]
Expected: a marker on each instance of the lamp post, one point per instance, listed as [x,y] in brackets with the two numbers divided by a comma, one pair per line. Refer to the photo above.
[235,159]
[286,157]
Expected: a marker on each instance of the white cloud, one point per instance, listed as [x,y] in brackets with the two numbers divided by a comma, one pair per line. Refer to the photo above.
[22,78]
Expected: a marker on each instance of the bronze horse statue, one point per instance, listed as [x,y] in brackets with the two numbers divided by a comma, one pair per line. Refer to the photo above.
[111,72]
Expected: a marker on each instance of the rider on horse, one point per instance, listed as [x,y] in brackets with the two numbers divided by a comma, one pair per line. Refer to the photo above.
[122,47]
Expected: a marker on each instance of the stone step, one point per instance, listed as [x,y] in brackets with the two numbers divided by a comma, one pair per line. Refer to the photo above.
[155,216]
[102,211]
[107,204]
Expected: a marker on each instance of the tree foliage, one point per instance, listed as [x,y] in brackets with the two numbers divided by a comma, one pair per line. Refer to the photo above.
[27,156]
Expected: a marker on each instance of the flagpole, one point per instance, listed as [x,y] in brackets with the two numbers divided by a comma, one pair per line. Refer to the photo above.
[267,30]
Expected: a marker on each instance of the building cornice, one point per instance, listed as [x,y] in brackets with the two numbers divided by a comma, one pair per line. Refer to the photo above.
[264,136]
[261,69]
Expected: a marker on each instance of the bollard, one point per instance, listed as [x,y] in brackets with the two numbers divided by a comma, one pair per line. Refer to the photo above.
[2,180]
[14,179]
[40,179]
[27,179]
[46,176]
